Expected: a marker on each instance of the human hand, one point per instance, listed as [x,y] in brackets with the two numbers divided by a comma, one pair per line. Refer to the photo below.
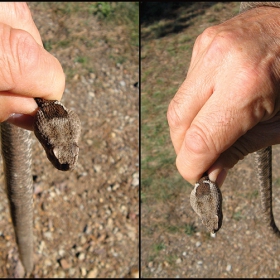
[228,105]
[27,69]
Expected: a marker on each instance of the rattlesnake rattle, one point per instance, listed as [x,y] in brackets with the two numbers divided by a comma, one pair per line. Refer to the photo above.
[58,130]
[206,197]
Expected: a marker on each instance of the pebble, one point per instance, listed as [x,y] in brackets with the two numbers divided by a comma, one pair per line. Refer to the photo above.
[81,256]
[61,252]
[166,264]
[200,262]
[64,264]
[228,269]
[110,224]
[41,247]
[72,271]
[83,271]
[124,210]
[116,186]
[135,180]
[179,260]
[93,273]
[83,240]
[61,274]
[97,168]
[48,235]
[198,244]
[88,229]
[122,83]
[47,262]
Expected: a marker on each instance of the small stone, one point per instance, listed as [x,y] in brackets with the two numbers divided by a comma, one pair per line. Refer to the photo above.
[198,244]
[179,260]
[64,264]
[97,168]
[61,252]
[72,271]
[88,229]
[124,210]
[184,254]
[83,271]
[93,273]
[150,264]
[41,247]
[61,274]
[110,224]
[83,240]
[228,269]
[48,235]
[135,180]
[200,262]
[116,186]
[81,256]
[47,262]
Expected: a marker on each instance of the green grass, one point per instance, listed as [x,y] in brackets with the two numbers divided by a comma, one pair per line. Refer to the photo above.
[171,259]
[119,13]
[237,215]
[160,178]
[190,229]
[173,229]
[158,247]
[120,16]
[81,59]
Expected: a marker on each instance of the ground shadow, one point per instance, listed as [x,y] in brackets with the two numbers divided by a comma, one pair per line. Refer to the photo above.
[176,14]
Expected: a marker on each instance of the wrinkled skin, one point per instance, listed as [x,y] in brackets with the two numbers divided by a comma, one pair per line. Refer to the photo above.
[228,105]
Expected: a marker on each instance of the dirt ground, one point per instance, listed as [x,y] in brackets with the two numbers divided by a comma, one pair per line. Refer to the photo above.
[174,243]
[86,222]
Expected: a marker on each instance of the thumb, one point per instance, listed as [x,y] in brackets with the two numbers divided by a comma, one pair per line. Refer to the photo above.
[26,70]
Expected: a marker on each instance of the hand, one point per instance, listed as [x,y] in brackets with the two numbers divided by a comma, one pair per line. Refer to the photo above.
[228,105]
[27,69]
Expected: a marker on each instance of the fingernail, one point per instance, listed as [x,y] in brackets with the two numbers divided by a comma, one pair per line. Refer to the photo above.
[21,120]
[220,177]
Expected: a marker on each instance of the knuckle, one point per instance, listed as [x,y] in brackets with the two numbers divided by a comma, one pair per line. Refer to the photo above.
[220,46]
[206,37]
[173,115]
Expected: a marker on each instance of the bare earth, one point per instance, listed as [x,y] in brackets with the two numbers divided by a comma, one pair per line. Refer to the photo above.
[86,222]
[243,247]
